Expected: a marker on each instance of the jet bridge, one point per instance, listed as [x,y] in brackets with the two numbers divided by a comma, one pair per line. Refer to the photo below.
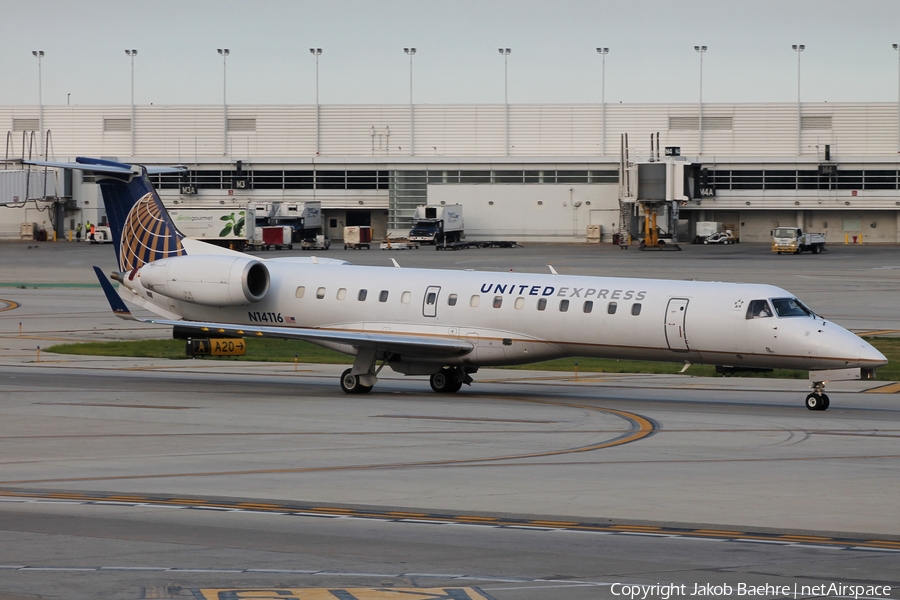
[651,191]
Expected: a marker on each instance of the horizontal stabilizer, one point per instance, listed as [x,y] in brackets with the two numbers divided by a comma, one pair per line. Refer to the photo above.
[96,165]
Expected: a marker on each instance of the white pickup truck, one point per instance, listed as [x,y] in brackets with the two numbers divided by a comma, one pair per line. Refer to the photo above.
[794,241]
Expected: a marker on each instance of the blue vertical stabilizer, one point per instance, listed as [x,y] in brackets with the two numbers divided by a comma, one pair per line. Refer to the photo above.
[142,230]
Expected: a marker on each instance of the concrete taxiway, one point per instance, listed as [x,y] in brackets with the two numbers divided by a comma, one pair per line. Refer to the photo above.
[143,478]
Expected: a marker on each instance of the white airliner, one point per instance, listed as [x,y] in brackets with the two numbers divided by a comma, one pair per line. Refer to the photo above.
[448,323]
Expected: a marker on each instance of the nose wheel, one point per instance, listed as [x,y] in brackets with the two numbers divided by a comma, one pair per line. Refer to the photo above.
[817,402]
[817,399]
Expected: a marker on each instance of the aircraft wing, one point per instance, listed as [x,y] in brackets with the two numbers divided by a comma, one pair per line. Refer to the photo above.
[424,346]
[390,342]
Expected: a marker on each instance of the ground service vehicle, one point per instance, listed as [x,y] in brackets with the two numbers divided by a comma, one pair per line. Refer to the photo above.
[437,224]
[794,241]
[357,236]
[303,218]
[720,237]
[224,227]
[102,235]
[279,237]
[704,229]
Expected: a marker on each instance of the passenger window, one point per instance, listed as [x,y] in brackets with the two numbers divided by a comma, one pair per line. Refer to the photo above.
[636,309]
[474,300]
[563,305]
[588,306]
[320,293]
[498,301]
[404,297]
[520,303]
[758,309]
[300,291]
[383,296]
[451,300]
[611,308]
[542,304]
[431,298]
[362,295]
[342,293]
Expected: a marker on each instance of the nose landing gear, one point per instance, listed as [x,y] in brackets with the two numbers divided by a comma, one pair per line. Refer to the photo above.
[817,399]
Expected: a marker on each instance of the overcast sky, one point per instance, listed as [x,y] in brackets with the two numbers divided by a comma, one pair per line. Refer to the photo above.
[651,56]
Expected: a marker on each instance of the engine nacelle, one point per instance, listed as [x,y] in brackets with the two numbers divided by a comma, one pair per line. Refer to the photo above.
[207,280]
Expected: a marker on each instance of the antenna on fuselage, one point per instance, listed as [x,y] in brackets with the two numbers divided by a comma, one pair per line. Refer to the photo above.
[396,264]
[552,270]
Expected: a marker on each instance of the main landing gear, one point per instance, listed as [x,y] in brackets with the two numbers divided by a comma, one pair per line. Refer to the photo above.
[448,381]
[817,399]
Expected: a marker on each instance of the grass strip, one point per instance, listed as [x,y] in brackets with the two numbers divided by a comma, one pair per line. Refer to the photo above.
[271,350]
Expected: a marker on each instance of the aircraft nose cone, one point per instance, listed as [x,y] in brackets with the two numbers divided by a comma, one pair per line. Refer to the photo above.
[869,357]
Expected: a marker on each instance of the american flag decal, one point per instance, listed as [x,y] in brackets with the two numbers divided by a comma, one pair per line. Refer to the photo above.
[290,320]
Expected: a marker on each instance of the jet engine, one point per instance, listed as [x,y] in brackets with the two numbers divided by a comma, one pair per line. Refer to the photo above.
[207,280]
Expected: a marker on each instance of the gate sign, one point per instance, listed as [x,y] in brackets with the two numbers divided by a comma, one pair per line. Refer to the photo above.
[673,150]
[216,347]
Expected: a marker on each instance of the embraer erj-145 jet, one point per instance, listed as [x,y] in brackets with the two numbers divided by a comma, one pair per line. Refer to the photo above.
[446,323]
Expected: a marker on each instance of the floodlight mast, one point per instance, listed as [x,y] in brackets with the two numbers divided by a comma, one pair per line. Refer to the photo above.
[603,52]
[411,52]
[131,54]
[39,55]
[224,52]
[701,50]
[505,52]
[897,47]
[798,48]
[317,52]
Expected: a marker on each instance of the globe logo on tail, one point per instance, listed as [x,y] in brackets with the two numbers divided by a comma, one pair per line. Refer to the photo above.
[148,235]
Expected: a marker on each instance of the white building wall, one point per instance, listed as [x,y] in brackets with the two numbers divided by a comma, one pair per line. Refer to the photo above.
[558,130]
[474,136]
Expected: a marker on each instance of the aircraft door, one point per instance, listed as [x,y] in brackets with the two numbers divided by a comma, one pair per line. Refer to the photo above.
[676,336]
[429,302]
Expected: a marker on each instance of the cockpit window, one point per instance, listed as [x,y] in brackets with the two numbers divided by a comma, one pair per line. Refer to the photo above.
[791,307]
[758,309]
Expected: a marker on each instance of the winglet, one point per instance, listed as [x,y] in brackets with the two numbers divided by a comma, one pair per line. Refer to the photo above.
[115,302]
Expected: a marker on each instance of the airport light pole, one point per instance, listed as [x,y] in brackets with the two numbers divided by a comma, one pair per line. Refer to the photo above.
[411,52]
[798,48]
[317,52]
[224,52]
[39,55]
[897,47]
[505,52]
[132,53]
[701,50]
[603,52]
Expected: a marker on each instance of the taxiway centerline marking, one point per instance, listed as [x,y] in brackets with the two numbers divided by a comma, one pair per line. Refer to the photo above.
[292,509]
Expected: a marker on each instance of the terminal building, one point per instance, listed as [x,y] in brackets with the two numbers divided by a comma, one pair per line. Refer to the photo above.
[522,172]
